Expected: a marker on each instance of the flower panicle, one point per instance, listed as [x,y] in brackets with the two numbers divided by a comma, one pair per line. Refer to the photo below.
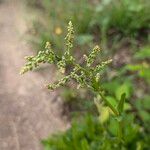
[84,75]
[44,56]
[69,38]
[102,65]
[92,56]
[59,83]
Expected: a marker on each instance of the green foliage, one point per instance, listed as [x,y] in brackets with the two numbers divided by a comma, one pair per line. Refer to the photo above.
[143,53]
[125,16]
[106,18]
[90,134]
[120,106]
[53,29]
[142,106]
[75,11]
[142,66]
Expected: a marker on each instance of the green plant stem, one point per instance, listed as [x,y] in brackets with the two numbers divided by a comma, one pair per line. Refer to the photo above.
[120,128]
[120,134]
[109,104]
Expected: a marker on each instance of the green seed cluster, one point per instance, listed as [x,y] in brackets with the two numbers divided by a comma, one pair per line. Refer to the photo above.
[67,57]
[69,39]
[61,82]
[99,67]
[87,75]
[91,58]
[42,57]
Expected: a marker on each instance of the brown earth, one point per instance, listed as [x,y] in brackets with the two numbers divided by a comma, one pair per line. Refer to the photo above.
[28,112]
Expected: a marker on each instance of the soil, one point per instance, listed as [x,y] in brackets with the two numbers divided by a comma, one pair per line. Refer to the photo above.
[28,111]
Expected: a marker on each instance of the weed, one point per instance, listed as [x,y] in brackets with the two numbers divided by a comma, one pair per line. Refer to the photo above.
[87,75]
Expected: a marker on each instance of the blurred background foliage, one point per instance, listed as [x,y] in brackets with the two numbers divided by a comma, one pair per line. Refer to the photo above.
[122,29]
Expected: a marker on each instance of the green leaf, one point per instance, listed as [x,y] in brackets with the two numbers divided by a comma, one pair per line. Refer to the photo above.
[146,102]
[114,110]
[134,67]
[84,144]
[143,53]
[104,114]
[112,100]
[124,88]
[144,115]
[127,106]
[121,103]
[108,86]
[145,73]
[113,126]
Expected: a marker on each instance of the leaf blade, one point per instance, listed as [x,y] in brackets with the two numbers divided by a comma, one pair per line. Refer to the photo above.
[120,105]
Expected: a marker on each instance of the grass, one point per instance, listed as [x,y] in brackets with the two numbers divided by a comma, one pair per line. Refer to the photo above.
[93,23]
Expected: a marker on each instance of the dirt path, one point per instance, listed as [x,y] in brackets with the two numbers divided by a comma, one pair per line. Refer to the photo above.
[27,112]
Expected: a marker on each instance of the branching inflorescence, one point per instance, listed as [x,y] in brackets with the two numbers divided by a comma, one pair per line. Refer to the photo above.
[86,76]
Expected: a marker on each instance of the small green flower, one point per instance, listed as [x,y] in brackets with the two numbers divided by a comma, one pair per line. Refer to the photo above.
[42,57]
[69,38]
[91,58]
